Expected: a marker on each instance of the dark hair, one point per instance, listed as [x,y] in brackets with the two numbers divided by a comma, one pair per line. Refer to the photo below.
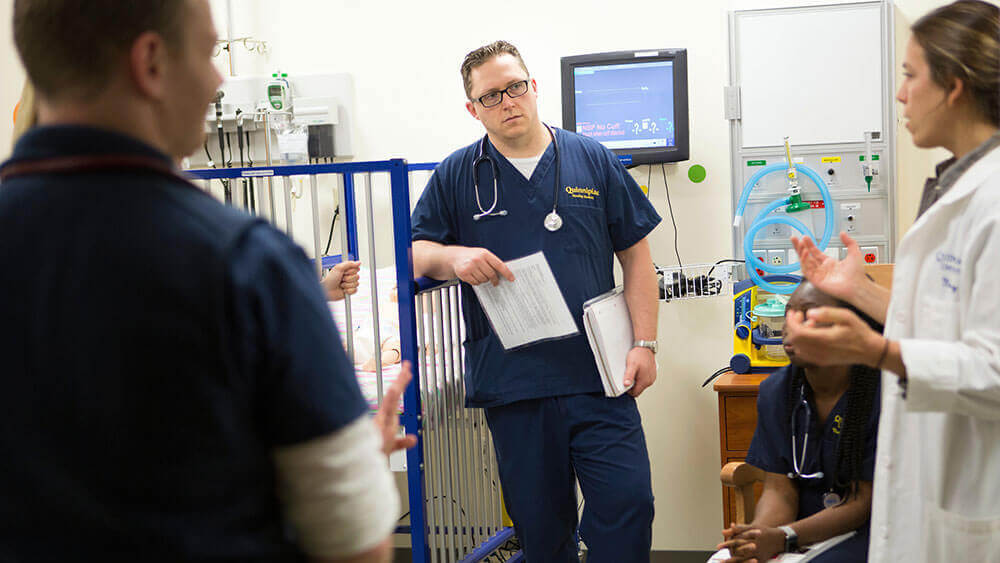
[861,397]
[483,54]
[962,40]
[69,47]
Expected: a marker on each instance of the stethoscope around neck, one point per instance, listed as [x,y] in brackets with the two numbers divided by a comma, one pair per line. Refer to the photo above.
[799,464]
[553,222]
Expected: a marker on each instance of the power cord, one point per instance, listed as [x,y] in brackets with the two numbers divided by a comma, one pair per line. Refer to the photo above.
[723,261]
[715,375]
[670,207]
[333,224]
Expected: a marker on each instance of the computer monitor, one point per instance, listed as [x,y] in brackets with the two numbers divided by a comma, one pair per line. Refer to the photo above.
[634,102]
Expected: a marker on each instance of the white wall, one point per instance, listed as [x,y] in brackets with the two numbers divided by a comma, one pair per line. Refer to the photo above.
[405,57]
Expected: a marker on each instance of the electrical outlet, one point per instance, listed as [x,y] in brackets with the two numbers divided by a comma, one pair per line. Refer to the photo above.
[850,216]
[762,254]
[776,257]
[870,254]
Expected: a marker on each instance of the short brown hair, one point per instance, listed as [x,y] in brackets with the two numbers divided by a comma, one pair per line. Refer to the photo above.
[483,54]
[962,40]
[69,47]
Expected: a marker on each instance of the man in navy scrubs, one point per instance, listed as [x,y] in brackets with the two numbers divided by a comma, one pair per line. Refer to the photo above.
[173,387]
[544,403]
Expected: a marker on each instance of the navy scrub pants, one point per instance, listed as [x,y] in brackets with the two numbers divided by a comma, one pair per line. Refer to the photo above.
[543,444]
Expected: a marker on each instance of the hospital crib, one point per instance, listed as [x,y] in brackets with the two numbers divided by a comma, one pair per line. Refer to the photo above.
[455,507]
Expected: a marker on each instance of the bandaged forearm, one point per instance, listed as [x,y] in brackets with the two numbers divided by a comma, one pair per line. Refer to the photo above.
[338,491]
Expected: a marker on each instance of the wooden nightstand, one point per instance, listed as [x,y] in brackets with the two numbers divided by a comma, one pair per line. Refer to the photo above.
[737,420]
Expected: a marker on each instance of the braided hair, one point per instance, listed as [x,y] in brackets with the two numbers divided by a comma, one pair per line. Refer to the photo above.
[861,397]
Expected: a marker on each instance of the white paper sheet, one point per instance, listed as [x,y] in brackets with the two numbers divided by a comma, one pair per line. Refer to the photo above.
[531,308]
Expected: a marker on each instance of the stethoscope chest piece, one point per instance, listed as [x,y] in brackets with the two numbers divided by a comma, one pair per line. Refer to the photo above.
[553,222]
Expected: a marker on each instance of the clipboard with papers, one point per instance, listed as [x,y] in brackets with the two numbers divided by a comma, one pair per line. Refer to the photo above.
[529,310]
[608,325]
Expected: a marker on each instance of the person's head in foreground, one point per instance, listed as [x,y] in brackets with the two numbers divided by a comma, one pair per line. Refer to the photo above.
[139,68]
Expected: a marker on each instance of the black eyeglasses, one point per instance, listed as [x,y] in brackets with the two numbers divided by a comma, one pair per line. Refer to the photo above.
[515,90]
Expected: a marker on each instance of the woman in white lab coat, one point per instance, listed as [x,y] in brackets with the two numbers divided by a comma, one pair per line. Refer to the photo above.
[936,493]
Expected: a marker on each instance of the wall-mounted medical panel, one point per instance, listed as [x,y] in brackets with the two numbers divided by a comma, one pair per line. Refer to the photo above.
[822,76]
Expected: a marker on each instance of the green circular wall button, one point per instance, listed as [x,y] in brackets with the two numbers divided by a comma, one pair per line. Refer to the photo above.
[697,173]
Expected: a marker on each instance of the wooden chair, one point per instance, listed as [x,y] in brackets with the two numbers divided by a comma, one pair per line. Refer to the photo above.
[741,477]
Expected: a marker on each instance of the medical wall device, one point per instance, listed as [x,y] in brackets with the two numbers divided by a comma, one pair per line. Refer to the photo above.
[279,92]
[634,102]
[758,325]
[322,102]
[784,207]
[822,76]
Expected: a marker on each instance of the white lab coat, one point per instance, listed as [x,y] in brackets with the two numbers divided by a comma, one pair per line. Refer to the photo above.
[937,473]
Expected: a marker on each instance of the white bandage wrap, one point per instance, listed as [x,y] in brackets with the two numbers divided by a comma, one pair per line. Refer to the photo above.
[338,492]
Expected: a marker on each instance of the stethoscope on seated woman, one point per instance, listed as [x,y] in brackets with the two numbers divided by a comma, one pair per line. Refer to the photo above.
[830,498]
[553,222]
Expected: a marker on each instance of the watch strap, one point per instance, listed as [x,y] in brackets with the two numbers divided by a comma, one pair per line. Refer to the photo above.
[650,344]
[791,539]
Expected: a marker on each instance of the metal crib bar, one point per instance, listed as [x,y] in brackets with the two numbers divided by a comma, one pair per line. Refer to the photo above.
[460,413]
[441,361]
[344,186]
[477,466]
[448,360]
[496,519]
[267,160]
[429,431]
[435,391]
[374,287]
[451,517]
[484,470]
[314,197]
[289,227]
[476,444]
[472,429]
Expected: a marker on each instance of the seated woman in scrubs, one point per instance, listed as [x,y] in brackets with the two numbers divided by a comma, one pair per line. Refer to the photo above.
[815,439]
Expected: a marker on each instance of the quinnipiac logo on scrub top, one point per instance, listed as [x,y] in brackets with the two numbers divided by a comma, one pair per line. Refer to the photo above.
[583,193]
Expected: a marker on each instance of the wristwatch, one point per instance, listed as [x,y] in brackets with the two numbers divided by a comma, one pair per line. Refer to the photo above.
[791,539]
[651,344]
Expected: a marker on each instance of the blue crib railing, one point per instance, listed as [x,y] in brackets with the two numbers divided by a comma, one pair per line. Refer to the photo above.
[462,520]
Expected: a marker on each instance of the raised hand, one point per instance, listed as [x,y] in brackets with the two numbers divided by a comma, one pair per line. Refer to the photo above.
[838,278]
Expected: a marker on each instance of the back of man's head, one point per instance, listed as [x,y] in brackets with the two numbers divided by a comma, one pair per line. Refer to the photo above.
[71,48]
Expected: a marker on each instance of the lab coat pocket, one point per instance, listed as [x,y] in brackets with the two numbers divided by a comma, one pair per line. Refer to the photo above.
[952,537]
[938,320]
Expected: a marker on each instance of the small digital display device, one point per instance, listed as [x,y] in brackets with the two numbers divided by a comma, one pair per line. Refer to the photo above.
[633,102]
[279,94]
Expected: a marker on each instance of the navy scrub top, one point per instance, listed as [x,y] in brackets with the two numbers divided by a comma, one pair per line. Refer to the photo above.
[603,212]
[157,346]
[771,448]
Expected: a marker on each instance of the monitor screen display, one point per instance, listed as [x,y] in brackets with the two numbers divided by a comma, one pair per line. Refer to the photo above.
[628,105]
